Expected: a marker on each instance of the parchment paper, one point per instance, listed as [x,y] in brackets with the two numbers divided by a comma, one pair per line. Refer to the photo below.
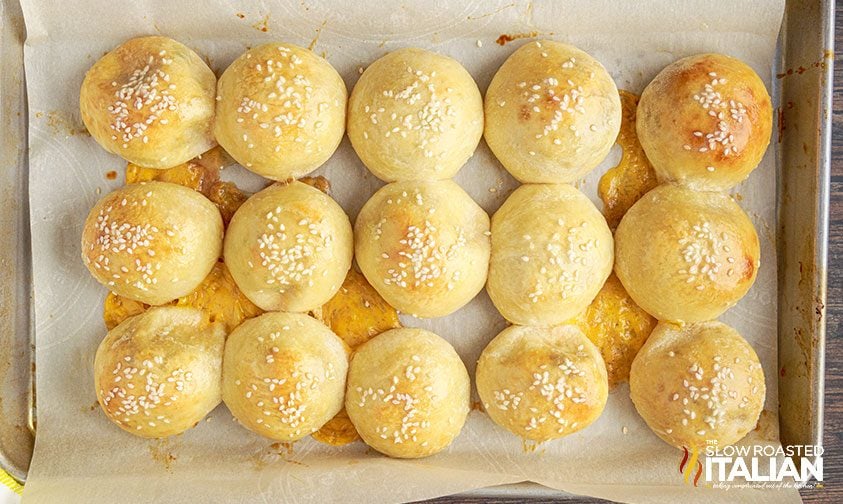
[81,457]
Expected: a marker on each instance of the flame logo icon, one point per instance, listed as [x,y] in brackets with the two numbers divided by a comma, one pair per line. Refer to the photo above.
[686,466]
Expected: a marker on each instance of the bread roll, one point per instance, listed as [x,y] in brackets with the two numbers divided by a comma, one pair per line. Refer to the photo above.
[542,383]
[408,393]
[157,374]
[284,375]
[289,247]
[415,114]
[697,383]
[686,256]
[424,246]
[705,121]
[152,242]
[151,102]
[551,253]
[280,110]
[552,113]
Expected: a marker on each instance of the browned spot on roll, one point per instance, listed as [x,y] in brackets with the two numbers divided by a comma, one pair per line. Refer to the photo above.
[524,113]
[749,268]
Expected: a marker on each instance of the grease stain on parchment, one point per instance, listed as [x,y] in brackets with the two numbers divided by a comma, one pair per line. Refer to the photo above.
[261,25]
[506,38]
[60,123]
[161,451]
[274,453]
[313,42]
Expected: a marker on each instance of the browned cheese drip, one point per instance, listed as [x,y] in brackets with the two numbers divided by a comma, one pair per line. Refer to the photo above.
[356,313]
[613,321]
[624,184]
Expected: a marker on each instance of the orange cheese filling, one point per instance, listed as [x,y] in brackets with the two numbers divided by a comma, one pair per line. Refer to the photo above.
[624,184]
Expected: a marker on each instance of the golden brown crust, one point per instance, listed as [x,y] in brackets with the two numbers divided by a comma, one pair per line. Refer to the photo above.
[542,383]
[552,113]
[152,242]
[705,121]
[697,384]
[407,393]
[289,247]
[283,375]
[551,252]
[158,373]
[150,101]
[424,246]
[684,255]
[415,114]
[281,110]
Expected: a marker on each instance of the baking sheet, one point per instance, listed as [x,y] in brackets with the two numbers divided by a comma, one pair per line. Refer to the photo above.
[80,457]
[16,442]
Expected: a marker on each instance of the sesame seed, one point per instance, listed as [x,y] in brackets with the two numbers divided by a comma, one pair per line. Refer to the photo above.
[421,259]
[699,250]
[290,256]
[558,387]
[721,135]
[141,100]
[434,107]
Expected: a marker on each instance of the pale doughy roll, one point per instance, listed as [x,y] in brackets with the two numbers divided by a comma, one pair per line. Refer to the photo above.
[552,113]
[151,102]
[284,375]
[157,374]
[289,247]
[415,114]
[684,255]
[408,393]
[705,121]
[424,246]
[152,242]
[542,383]
[280,110]
[697,384]
[551,253]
